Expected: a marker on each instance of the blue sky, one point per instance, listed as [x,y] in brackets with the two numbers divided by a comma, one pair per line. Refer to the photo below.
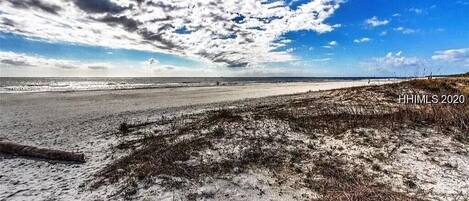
[270,38]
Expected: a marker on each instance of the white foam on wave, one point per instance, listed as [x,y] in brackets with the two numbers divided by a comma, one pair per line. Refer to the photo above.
[90,86]
[70,86]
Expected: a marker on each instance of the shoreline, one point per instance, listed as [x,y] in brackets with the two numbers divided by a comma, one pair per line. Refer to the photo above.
[196,85]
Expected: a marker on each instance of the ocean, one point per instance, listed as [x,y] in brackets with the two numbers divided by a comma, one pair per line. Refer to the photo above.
[64,84]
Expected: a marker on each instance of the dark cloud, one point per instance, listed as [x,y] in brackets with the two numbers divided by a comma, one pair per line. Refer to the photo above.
[97,67]
[277,6]
[225,57]
[139,1]
[268,20]
[36,4]
[246,36]
[238,64]
[99,6]
[165,6]
[165,27]
[158,37]
[66,66]
[128,23]
[218,18]
[8,22]
[166,18]
[15,62]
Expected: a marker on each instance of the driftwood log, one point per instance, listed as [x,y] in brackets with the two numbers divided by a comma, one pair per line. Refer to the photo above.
[7,147]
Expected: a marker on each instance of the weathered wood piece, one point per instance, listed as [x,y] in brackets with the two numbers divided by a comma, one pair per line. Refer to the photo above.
[7,147]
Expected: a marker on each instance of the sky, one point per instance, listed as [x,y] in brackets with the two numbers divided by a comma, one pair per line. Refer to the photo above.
[301,38]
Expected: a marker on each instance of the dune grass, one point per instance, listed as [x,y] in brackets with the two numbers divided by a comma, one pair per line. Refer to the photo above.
[178,151]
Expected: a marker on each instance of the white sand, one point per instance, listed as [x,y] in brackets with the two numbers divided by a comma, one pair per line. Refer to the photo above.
[84,121]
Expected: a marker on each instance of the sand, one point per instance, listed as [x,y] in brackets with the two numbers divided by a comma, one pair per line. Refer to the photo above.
[357,144]
[28,117]
[83,121]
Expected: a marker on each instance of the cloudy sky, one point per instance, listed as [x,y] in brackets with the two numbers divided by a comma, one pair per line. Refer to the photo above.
[233,38]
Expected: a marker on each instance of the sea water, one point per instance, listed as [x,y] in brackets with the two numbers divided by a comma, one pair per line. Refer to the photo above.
[64,84]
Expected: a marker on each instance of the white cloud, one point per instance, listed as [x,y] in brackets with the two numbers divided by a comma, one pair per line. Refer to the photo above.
[383,33]
[405,30]
[393,61]
[458,56]
[374,22]
[17,60]
[98,67]
[322,59]
[221,32]
[362,40]
[336,26]
[178,71]
[331,44]
[416,10]
[16,64]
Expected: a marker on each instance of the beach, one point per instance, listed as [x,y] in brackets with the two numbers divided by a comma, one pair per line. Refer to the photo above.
[246,100]
[92,122]
[27,116]
[82,121]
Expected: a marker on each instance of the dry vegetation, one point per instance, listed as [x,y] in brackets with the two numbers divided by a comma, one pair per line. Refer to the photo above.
[443,86]
[304,142]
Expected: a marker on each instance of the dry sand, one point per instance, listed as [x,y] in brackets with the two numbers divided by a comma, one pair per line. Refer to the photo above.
[346,144]
[84,121]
